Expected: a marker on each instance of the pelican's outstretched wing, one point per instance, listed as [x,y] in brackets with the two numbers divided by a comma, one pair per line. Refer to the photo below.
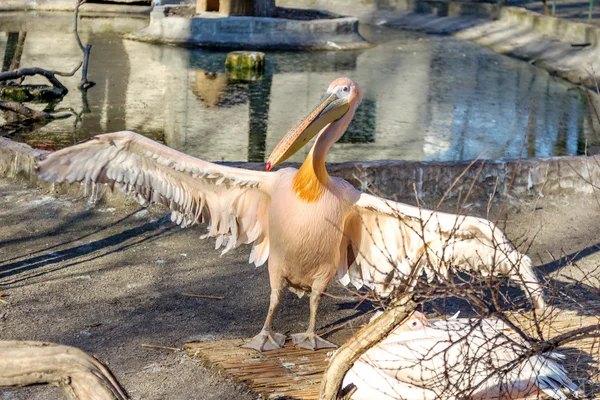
[385,241]
[234,201]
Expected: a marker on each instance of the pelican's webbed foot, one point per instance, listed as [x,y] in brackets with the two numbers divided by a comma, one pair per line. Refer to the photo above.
[265,341]
[311,341]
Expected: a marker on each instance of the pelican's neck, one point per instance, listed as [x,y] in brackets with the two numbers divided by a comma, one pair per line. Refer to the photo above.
[312,177]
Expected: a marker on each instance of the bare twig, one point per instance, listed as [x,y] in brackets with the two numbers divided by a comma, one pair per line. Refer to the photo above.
[203,296]
[69,73]
[152,346]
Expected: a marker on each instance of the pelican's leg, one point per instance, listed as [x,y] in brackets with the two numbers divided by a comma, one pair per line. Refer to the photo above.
[267,339]
[310,340]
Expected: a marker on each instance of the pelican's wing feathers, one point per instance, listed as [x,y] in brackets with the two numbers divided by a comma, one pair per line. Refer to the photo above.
[387,240]
[234,201]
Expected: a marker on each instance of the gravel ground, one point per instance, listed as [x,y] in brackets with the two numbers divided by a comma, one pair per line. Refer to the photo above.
[109,280]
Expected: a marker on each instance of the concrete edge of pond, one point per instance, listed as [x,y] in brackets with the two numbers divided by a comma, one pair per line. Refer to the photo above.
[568,49]
[555,176]
[251,33]
[69,5]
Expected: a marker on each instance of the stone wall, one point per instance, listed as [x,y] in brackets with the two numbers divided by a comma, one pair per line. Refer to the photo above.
[239,32]
[402,179]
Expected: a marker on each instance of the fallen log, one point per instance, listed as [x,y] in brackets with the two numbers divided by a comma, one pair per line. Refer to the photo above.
[78,375]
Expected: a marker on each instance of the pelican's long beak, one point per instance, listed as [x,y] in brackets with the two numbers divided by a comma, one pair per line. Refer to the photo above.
[330,108]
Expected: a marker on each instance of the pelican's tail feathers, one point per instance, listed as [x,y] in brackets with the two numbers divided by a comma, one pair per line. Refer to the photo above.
[552,379]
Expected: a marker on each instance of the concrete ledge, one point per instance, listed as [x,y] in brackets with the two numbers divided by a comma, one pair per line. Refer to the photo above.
[529,177]
[443,8]
[69,5]
[565,48]
[251,32]
[566,31]
[545,42]
[91,22]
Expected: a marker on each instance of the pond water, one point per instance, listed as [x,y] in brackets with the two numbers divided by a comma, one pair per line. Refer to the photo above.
[426,97]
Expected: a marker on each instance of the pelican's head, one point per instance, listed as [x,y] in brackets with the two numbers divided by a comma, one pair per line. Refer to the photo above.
[342,98]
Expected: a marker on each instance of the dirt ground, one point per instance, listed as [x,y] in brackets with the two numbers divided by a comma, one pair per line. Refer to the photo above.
[109,280]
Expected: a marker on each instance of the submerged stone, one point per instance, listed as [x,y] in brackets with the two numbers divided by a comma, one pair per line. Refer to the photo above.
[245,65]
[253,60]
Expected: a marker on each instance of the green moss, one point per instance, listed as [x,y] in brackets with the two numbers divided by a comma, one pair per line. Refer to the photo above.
[244,75]
[13,93]
[245,60]
[36,93]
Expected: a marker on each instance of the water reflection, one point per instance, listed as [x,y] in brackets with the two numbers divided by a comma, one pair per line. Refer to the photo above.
[426,98]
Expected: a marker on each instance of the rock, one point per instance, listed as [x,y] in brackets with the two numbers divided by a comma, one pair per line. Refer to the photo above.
[245,65]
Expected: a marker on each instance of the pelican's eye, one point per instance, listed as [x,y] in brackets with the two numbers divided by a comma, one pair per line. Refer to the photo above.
[343,91]
[415,324]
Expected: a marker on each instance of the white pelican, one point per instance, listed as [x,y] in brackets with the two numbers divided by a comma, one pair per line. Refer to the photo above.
[456,359]
[308,224]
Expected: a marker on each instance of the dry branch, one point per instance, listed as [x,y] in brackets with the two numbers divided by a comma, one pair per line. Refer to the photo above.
[78,375]
[153,346]
[50,75]
[84,84]
[203,296]
[30,113]
[369,336]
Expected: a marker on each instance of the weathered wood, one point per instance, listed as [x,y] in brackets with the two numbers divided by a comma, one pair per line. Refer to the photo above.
[226,7]
[29,112]
[368,337]
[50,75]
[236,7]
[258,8]
[207,6]
[78,375]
